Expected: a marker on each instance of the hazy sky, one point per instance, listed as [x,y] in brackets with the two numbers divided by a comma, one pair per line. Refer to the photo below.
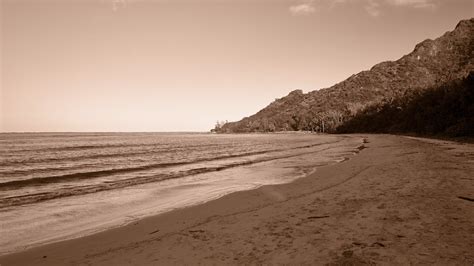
[180,65]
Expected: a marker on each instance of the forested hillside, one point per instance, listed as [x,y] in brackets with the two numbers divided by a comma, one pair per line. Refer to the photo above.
[447,110]
[432,63]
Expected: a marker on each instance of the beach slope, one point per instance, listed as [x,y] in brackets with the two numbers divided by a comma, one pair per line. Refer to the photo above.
[399,201]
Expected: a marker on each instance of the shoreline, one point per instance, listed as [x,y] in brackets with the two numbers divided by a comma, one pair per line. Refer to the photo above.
[344,212]
[171,194]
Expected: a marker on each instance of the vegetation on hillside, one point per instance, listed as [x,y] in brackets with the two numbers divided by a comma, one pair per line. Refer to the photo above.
[446,110]
[432,62]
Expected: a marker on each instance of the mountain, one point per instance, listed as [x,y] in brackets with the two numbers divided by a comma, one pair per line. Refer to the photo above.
[431,64]
[445,110]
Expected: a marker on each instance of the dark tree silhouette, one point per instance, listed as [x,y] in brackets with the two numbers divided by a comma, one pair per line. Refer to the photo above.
[446,110]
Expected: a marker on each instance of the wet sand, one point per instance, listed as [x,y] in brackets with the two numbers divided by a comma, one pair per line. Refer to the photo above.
[399,201]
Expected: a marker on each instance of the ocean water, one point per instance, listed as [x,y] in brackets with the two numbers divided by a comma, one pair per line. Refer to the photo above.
[55,186]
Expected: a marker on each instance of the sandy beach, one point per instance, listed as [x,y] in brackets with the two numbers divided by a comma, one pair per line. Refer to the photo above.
[399,201]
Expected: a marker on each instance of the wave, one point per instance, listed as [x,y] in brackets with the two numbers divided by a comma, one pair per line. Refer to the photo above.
[80,190]
[81,157]
[11,162]
[36,181]
[94,174]
[83,147]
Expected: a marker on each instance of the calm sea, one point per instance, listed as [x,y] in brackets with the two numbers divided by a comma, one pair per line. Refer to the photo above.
[55,186]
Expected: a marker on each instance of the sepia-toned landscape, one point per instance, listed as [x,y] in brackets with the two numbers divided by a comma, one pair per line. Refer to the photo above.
[110,153]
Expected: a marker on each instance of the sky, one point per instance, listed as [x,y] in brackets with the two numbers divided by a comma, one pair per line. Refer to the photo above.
[181,65]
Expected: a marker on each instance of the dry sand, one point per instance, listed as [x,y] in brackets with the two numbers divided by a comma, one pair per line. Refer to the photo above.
[399,201]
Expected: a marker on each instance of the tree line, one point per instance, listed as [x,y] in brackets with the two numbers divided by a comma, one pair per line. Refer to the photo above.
[446,110]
